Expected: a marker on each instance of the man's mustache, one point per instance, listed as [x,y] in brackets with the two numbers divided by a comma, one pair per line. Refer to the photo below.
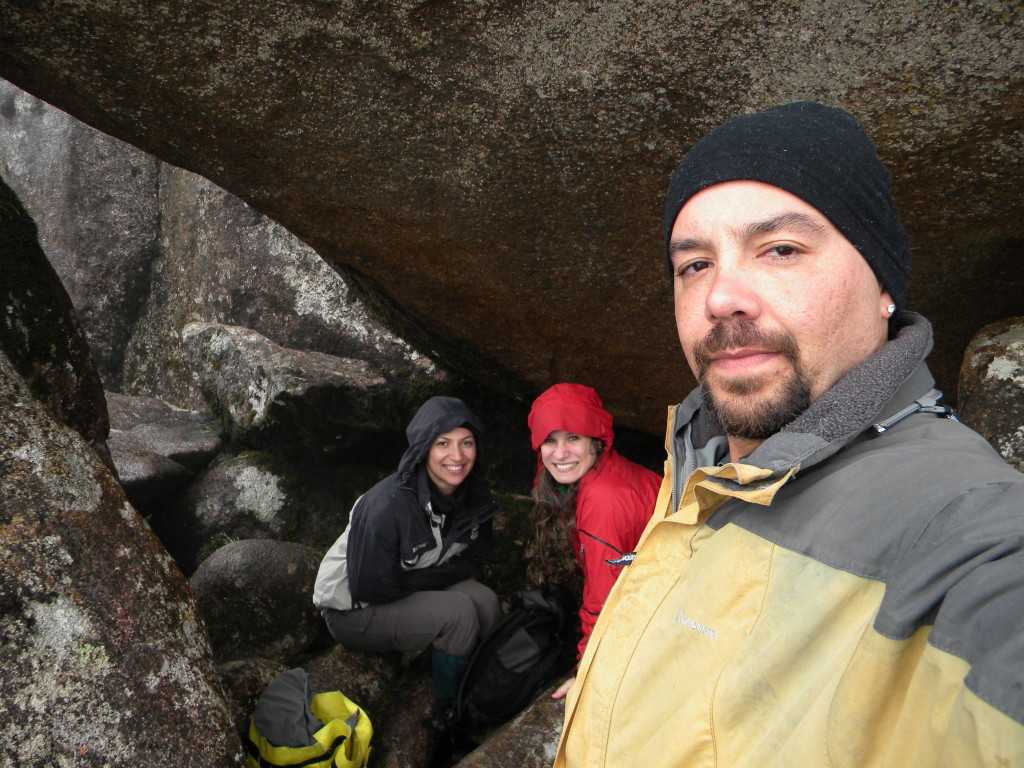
[741,333]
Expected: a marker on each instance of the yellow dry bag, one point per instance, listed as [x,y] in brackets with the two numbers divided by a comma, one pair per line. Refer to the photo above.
[343,741]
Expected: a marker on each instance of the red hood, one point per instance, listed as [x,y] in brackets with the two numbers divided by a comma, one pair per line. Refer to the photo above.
[572,407]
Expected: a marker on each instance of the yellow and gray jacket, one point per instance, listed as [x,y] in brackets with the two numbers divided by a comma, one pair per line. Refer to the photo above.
[850,594]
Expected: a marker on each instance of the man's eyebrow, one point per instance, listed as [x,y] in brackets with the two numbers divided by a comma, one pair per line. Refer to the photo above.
[791,220]
[687,244]
[798,221]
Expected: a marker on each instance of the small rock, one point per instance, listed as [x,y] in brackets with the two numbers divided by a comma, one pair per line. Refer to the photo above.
[189,438]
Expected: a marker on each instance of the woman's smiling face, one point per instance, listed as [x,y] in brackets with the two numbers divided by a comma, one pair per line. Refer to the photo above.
[451,457]
[568,456]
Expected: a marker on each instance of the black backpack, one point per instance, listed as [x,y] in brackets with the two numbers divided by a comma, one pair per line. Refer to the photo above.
[529,649]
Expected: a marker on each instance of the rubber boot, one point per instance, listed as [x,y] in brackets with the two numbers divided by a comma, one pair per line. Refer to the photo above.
[448,670]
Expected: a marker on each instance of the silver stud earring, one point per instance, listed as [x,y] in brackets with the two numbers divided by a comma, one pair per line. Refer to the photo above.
[891,308]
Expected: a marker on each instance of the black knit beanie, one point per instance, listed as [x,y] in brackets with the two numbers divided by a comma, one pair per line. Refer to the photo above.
[820,154]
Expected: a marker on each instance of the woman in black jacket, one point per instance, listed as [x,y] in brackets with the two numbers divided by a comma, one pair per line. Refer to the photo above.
[401,575]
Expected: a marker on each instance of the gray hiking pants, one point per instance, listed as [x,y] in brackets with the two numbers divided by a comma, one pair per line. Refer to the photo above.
[451,620]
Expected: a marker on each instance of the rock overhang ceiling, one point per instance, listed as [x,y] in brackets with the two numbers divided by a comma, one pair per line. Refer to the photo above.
[495,170]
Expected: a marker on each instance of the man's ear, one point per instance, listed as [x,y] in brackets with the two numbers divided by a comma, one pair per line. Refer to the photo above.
[886,306]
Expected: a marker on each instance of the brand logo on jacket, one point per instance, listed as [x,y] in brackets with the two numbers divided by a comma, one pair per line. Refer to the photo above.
[695,626]
[475,533]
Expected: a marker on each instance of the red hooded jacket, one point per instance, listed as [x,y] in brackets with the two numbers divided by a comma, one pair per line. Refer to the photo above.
[614,500]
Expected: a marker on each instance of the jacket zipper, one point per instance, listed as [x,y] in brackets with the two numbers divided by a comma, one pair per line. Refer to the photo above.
[926,404]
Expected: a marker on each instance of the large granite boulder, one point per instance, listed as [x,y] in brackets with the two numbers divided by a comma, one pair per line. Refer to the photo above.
[40,333]
[96,203]
[493,172]
[144,248]
[992,387]
[188,438]
[239,497]
[254,495]
[105,657]
[220,261]
[256,596]
[278,399]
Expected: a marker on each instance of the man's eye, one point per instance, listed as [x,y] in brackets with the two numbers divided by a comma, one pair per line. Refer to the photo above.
[783,250]
[692,267]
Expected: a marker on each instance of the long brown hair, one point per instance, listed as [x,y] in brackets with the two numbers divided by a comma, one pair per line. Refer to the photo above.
[554,515]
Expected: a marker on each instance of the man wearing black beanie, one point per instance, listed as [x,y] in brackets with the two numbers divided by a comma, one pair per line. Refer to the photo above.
[834,572]
[820,154]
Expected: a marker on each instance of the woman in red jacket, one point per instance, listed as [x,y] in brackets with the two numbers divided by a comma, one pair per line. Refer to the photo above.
[605,499]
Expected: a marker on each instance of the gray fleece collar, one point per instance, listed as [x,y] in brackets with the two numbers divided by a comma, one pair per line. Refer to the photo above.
[865,394]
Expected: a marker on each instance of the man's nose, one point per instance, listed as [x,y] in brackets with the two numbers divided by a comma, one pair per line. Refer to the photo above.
[732,294]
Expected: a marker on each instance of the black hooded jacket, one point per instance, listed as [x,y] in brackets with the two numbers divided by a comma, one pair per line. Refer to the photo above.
[397,543]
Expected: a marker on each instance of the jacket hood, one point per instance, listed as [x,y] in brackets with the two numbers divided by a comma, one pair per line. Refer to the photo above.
[436,416]
[571,407]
